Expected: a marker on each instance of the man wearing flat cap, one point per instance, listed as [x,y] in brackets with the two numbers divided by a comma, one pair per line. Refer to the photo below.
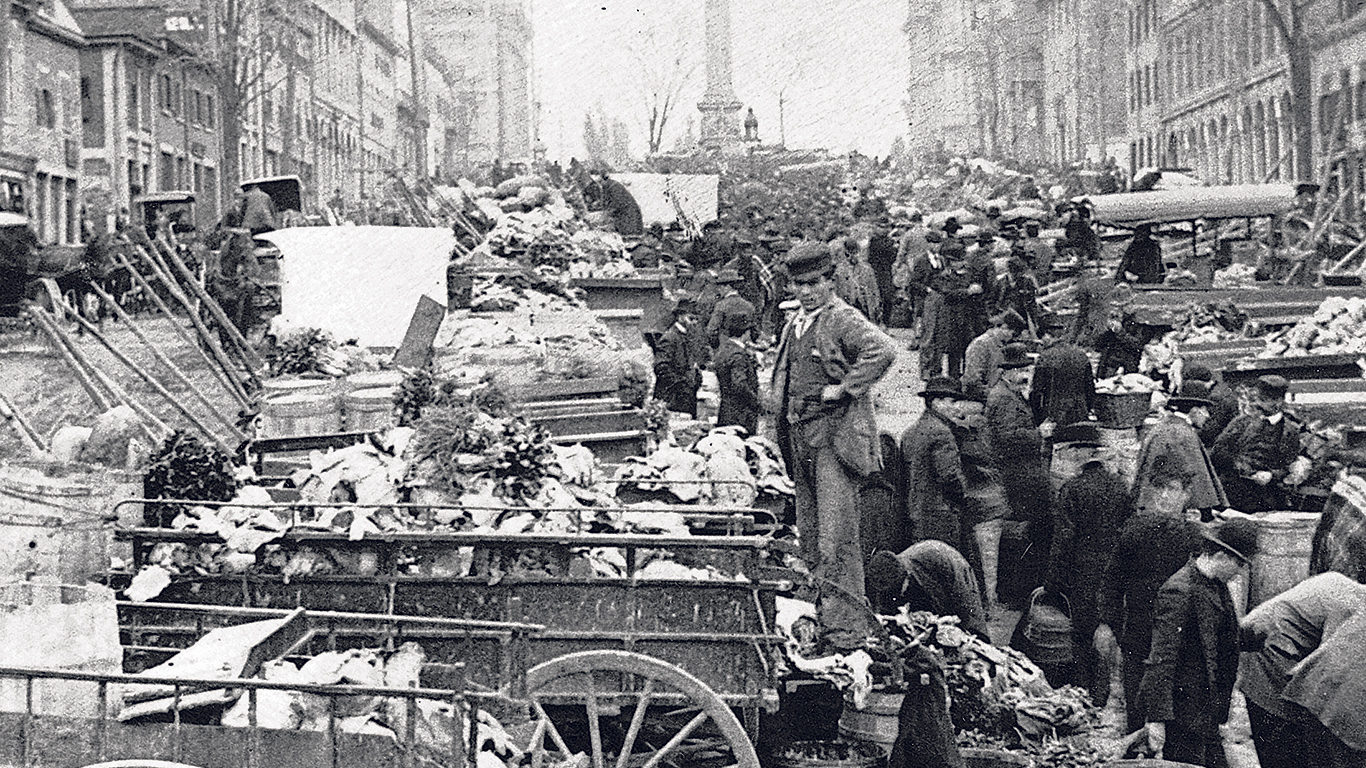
[1254,452]
[829,358]
[730,304]
[1193,661]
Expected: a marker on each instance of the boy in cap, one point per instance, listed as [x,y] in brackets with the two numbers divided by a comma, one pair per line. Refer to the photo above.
[737,376]
[730,304]
[1254,452]
[1193,661]
[829,358]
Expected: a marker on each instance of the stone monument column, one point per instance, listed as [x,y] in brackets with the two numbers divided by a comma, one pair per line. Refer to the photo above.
[720,109]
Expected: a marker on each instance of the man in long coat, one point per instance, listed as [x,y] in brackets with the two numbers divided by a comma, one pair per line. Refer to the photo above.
[737,376]
[1187,686]
[1175,437]
[829,358]
[1254,452]
[1087,518]
[1018,448]
[936,489]
[1063,390]
[677,374]
[961,310]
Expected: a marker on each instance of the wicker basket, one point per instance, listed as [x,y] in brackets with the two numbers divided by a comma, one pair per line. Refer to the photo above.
[1122,411]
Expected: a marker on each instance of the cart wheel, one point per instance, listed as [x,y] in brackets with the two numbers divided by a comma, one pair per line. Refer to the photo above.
[619,735]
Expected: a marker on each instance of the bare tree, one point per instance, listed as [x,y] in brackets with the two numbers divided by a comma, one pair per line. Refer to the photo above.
[1288,18]
[666,66]
[244,51]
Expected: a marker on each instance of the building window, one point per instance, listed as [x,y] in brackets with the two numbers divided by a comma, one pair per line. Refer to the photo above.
[177,99]
[211,120]
[164,92]
[132,103]
[167,171]
[46,110]
[267,111]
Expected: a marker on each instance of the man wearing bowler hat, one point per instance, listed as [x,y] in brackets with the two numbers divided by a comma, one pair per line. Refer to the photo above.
[677,374]
[1018,447]
[829,358]
[1193,661]
[936,489]
[1254,452]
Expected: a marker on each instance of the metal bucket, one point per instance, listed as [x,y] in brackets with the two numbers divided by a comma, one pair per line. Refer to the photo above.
[877,723]
[1049,630]
[1286,540]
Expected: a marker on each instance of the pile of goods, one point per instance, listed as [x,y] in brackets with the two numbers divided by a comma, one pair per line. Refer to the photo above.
[221,654]
[297,350]
[996,691]
[1236,275]
[1127,384]
[1338,326]
[722,468]
[534,225]
[1213,321]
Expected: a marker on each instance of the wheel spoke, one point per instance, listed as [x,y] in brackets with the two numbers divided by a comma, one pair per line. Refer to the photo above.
[676,740]
[637,719]
[537,746]
[550,726]
[594,728]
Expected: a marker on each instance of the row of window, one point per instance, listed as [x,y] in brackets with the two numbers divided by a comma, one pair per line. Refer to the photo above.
[1198,57]
[1142,87]
[1142,21]
[171,98]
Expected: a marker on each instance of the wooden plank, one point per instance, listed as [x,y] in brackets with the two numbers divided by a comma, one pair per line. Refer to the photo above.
[592,422]
[568,390]
[416,348]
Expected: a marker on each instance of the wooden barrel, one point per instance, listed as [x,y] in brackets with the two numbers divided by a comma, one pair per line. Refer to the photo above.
[877,723]
[306,413]
[1285,539]
[828,754]
[372,379]
[289,385]
[1120,449]
[369,410]
[51,526]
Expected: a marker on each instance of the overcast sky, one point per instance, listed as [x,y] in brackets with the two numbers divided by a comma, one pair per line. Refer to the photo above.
[839,64]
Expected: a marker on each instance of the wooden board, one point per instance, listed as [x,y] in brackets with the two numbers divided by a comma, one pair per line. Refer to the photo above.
[416,348]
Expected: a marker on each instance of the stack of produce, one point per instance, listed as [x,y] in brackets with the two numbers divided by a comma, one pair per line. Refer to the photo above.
[1236,275]
[1338,326]
[996,691]
[297,350]
[1127,384]
[722,468]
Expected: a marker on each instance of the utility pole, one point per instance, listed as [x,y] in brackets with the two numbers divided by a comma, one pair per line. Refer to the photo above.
[782,120]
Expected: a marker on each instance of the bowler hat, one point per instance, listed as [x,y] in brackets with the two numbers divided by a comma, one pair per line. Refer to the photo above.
[1010,319]
[1272,386]
[808,261]
[1197,372]
[1237,536]
[1192,394]
[1083,433]
[1015,356]
[942,386]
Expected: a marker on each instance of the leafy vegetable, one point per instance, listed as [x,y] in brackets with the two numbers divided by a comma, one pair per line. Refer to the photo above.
[184,467]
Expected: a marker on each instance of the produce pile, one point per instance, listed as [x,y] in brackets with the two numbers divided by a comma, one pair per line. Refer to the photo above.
[1236,275]
[288,710]
[297,350]
[1127,384]
[1338,326]
[996,691]
[1213,321]
[722,468]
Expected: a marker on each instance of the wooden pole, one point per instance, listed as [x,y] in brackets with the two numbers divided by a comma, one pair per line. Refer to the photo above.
[151,382]
[166,274]
[166,361]
[210,339]
[31,438]
[225,377]
[48,326]
[253,361]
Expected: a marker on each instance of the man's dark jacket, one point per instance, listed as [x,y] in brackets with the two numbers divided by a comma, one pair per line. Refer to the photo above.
[1193,661]
[676,375]
[1064,387]
[737,377]
[935,486]
[1090,512]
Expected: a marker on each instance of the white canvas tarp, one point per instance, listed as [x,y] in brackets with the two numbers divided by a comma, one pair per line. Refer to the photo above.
[656,192]
[360,283]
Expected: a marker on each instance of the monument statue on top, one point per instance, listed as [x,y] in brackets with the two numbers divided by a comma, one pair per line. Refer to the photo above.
[720,109]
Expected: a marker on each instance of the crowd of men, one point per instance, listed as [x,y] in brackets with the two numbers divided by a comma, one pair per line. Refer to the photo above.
[1008,493]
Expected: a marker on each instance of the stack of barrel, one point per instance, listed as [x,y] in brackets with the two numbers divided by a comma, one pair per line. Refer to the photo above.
[299,406]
